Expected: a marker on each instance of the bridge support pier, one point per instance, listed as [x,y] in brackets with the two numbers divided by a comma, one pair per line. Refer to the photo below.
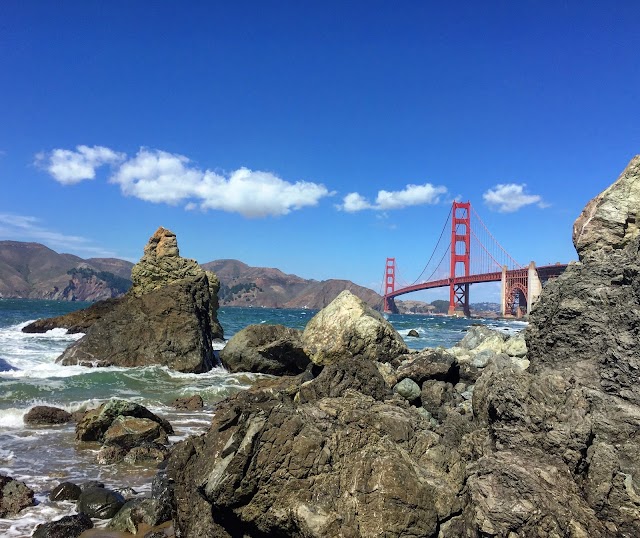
[503,292]
[534,287]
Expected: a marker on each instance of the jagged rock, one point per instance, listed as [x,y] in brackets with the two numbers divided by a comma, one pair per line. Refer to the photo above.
[265,349]
[14,496]
[66,527]
[429,364]
[65,491]
[346,466]
[573,416]
[96,422]
[78,321]
[347,327]
[188,403]
[168,317]
[610,221]
[438,397]
[335,379]
[100,503]
[46,415]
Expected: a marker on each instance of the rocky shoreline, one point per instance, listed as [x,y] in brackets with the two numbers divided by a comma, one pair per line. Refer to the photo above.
[532,435]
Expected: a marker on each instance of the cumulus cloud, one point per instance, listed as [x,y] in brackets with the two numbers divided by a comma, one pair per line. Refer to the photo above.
[162,177]
[509,197]
[28,228]
[69,167]
[411,195]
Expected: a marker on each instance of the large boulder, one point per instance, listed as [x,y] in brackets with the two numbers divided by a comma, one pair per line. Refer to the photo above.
[99,503]
[344,466]
[265,349]
[348,327]
[168,317]
[97,422]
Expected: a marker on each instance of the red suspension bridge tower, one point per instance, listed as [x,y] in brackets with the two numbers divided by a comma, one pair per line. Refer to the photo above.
[520,286]
[460,257]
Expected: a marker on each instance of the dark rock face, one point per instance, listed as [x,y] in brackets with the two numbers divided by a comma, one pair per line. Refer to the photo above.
[168,317]
[66,527]
[65,491]
[429,364]
[14,496]
[265,349]
[46,415]
[99,503]
[75,322]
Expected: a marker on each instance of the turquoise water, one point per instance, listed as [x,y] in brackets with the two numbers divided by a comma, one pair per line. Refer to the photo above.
[43,457]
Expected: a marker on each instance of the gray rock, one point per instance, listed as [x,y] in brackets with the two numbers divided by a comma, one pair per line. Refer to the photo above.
[408,389]
[14,496]
[348,327]
[266,349]
[134,513]
[99,503]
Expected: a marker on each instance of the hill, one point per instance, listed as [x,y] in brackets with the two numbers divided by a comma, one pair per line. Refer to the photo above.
[34,271]
[243,285]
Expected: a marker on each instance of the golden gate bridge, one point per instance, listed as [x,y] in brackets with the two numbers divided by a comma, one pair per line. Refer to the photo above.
[471,255]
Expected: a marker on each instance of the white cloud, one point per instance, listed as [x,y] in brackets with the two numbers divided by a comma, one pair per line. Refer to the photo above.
[353,202]
[27,228]
[162,177]
[411,195]
[69,167]
[509,197]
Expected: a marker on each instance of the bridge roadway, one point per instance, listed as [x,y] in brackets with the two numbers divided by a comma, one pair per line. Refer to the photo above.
[544,273]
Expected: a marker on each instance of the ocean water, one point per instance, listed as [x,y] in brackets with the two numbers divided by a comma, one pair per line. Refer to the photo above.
[43,457]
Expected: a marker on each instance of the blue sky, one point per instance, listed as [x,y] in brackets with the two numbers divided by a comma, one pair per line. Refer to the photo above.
[316,137]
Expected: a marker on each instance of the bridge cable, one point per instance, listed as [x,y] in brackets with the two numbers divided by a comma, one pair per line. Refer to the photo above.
[434,250]
[516,264]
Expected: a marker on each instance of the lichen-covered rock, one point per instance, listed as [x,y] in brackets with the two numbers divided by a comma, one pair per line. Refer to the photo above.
[96,422]
[408,389]
[14,496]
[610,221]
[168,317]
[265,349]
[348,327]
